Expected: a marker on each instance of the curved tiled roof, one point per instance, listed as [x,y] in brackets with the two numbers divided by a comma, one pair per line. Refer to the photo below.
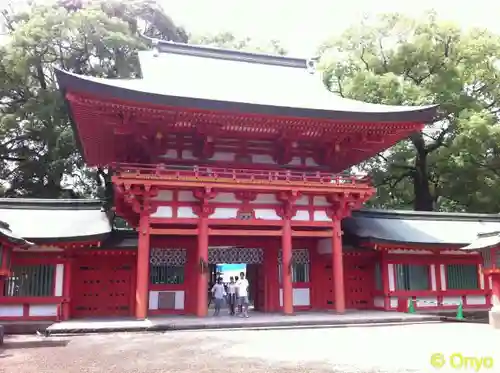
[415,227]
[55,219]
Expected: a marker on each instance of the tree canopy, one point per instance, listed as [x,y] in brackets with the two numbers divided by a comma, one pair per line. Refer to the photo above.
[453,163]
[38,156]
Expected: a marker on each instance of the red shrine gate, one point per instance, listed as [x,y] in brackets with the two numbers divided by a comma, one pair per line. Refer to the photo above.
[188,163]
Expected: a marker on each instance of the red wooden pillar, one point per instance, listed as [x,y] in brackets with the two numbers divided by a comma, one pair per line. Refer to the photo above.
[142,281]
[495,289]
[5,253]
[338,266]
[286,270]
[66,306]
[494,314]
[202,268]
[271,275]
[384,273]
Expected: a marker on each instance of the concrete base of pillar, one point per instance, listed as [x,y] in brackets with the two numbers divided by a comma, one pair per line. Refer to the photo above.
[494,316]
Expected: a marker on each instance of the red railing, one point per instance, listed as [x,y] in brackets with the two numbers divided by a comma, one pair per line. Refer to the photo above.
[219,174]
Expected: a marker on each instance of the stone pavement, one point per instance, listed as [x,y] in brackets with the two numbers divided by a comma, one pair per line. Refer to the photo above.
[256,320]
[400,349]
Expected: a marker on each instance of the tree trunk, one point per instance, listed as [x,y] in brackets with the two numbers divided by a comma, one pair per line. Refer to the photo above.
[421,187]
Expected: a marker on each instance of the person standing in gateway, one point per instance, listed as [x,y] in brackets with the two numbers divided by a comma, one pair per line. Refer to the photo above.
[218,292]
[242,285]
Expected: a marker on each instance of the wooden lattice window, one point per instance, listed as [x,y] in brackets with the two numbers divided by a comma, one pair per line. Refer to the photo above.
[166,274]
[412,277]
[300,266]
[30,281]
[167,266]
[462,277]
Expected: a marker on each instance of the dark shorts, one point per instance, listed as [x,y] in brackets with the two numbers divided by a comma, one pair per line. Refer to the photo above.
[218,302]
[243,301]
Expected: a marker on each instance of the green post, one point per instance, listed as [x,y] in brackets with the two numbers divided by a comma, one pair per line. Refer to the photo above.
[460,312]
[411,306]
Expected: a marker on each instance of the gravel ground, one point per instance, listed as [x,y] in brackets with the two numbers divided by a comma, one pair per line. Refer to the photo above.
[341,350]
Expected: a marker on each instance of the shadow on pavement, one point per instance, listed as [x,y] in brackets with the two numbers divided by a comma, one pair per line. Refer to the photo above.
[32,344]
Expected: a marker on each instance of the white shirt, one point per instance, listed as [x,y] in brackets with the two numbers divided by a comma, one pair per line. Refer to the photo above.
[218,291]
[231,288]
[243,287]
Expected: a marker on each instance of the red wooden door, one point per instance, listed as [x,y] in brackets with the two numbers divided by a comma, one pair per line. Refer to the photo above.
[359,280]
[102,287]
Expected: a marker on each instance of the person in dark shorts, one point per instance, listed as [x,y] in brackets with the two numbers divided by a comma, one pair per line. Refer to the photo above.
[218,294]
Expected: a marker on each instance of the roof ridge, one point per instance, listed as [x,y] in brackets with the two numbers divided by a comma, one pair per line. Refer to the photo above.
[206,51]
[429,214]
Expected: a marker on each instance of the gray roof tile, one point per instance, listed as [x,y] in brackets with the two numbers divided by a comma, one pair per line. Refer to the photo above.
[420,227]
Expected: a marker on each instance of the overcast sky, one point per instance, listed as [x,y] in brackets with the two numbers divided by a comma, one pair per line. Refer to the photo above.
[301,25]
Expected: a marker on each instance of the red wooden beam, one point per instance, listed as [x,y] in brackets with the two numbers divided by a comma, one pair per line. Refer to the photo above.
[243,232]
[312,233]
[223,185]
[174,232]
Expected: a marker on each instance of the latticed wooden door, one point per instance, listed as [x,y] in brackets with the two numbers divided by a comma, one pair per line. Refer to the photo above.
[102,287]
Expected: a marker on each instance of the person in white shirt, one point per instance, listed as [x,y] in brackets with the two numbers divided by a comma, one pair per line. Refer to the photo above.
[218,292]
[231,295]
[242,286]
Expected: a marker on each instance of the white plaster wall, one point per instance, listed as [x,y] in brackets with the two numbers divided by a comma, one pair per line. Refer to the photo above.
[302,201]
[433,277]
[301,297]
[320,201]
[393,302]
[321,216]
[476,300]
[225,198]
[266,198]
[266,214]
[179,299]
[186,196]
[163,212]
[443,277]
[311,162]
[262,158]
[426,302]
[188,154]
[186,212]
[378,302]
[164,195]
[59,285]
[392,280]
[301,215]
[223,156]
[451,301]
[170,154]
[224,213]
[43,310]
[11,310]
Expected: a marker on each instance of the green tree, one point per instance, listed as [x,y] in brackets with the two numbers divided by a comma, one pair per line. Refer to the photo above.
[38,157]
[402,61]
[227,40]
